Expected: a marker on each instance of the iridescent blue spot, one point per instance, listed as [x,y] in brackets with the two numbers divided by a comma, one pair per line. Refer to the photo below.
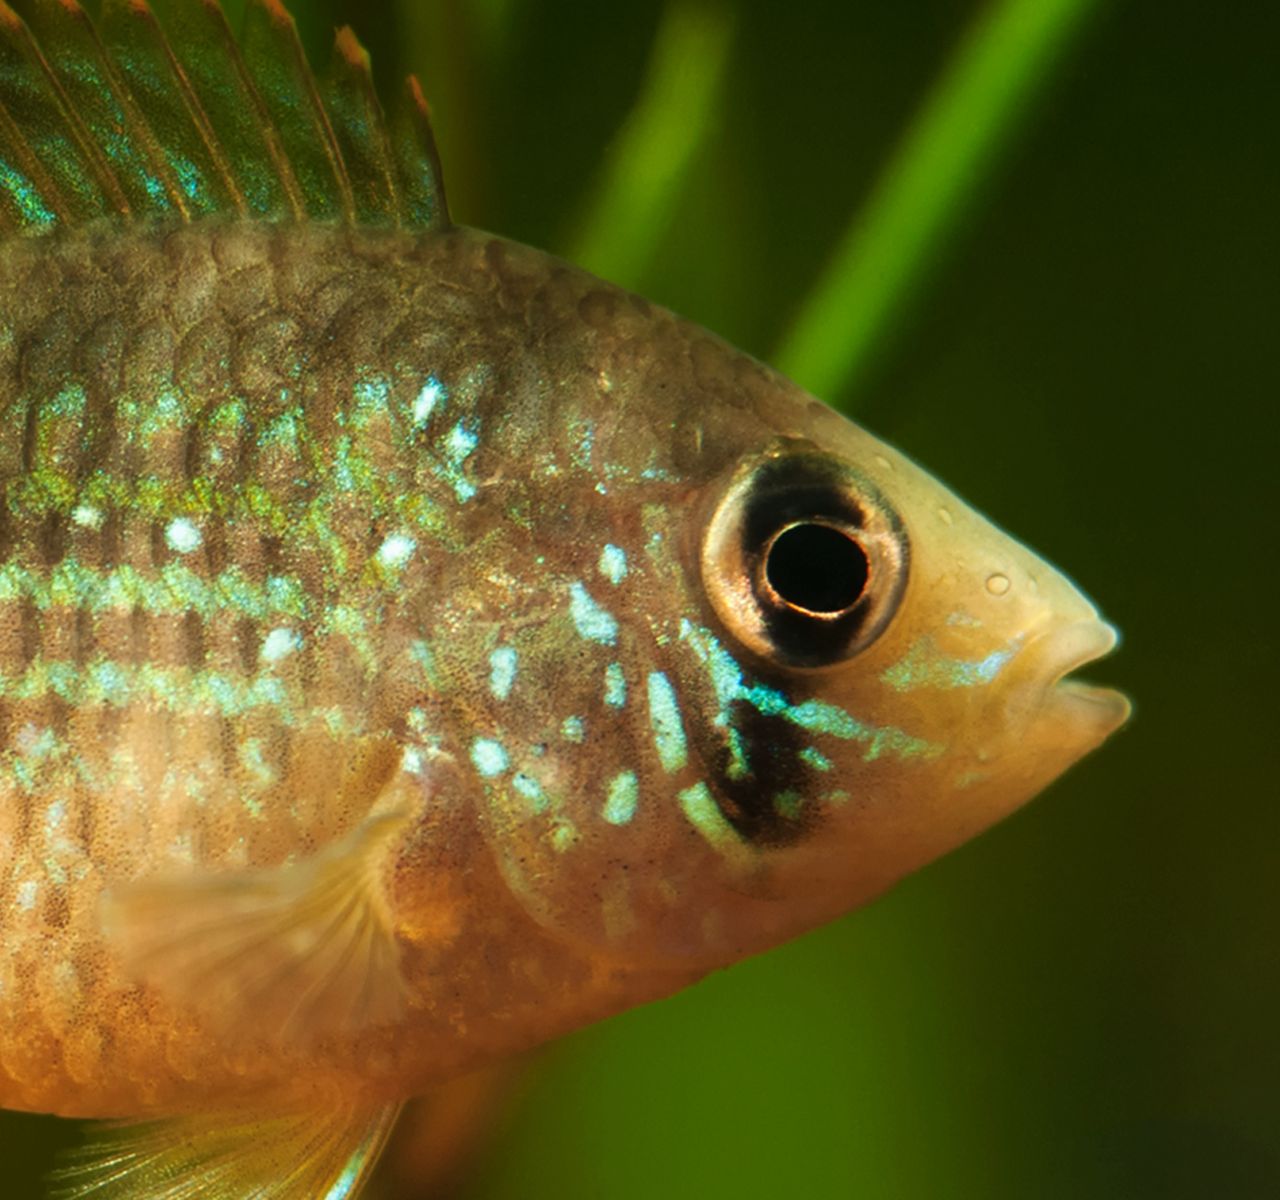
[624,793]
[25,196]
[531,790]
[490,757]
[613,564]
[188,176]
[664,717]
[592,622]
[572,729]
[372,392]
[924,666]
[502,671]
[703,813]
[815,758]
[615,686]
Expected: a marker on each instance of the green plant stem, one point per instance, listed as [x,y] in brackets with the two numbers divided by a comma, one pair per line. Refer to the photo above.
[657,143]
[938,164]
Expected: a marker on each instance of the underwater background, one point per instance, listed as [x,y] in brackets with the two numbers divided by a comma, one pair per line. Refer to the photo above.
[1084,1003]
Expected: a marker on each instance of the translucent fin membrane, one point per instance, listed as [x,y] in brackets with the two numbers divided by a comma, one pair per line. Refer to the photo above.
[326,1155]
[158,112]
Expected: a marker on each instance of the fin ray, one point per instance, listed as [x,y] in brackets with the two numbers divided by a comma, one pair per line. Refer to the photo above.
[74,183]
[360,130]
[157,111]
[237,120]
[307,949]
[323,1155]
[275,58]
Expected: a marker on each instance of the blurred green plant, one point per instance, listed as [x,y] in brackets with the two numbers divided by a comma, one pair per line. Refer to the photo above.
[924,190]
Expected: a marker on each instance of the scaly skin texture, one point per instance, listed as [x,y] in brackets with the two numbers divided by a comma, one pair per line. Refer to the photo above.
[302,525]
[237,568]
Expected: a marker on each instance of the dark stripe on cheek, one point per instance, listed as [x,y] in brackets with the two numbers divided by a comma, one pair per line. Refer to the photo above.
[765,805]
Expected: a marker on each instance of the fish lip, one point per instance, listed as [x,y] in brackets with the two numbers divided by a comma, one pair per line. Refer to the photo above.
[1101,710]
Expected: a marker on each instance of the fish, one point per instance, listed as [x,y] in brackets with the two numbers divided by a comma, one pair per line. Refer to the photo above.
[412,647]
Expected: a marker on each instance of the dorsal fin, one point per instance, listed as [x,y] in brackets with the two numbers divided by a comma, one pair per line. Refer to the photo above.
[157,112]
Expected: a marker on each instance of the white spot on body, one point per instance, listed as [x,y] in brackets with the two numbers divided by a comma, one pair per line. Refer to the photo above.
[87,517]
[613,564]
[433,391]
[182,536]
[620,804]
[25,897]
[664,717]
[490,757]
[592,622]
[502,671]
[615,686]
[280,643]
[397,550]
[54,815]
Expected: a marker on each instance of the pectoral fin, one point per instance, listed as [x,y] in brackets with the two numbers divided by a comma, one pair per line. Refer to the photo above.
[308,950]
[247,1155]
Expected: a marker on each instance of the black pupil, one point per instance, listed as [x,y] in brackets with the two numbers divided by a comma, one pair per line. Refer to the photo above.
[817,568]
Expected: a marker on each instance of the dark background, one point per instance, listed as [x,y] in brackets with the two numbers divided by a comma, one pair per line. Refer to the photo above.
[1083,1003]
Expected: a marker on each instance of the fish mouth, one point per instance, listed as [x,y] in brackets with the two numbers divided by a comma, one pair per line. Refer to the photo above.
[1095,710]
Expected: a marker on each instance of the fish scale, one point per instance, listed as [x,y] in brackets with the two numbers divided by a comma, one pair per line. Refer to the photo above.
[411,647]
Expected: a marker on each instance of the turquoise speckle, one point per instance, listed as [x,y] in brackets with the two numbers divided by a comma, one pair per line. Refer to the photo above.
[25,196]
[664,717]
[615,686]
[502,671]
[592,622]
[572,729]
[702,812]
[460,444]
[531,790]
[182,536]
[613,564]
[624,792]
[815,758]
[490,757]
[372,392]
[924,667]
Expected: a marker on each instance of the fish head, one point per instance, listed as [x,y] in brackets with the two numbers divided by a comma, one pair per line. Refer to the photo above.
[790,667]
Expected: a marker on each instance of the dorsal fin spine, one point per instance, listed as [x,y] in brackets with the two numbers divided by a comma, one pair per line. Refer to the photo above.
[275,146]
[359,128]
[27,187]
[300,118]
[155,110]
[102,100]
[112,195]
[196,110]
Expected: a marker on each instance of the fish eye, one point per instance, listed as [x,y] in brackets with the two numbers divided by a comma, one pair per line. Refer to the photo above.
[804,560]
[816,568]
